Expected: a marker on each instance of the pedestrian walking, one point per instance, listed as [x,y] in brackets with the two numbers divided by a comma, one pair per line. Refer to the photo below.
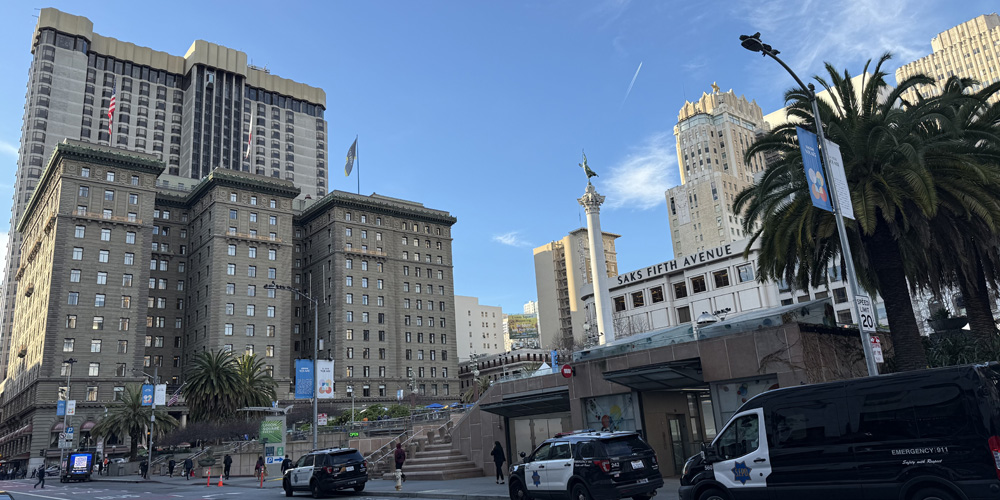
[258,468]
[400,457]
[33,472]
[170,467]
[100,468]
[188,468]
[144,469]
[41,477]
[498,458]
[107,466]
[227,464]
[286,464]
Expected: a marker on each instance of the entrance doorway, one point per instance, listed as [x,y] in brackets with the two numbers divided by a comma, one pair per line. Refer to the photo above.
[679,444]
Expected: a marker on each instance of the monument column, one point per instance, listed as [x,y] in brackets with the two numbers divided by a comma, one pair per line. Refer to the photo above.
[591,202]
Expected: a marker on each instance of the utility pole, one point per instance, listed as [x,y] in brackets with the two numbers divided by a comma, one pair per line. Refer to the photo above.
[315,371]
[69,371]
[152,415]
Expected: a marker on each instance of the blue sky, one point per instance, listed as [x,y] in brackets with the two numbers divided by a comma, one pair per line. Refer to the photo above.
[481,108]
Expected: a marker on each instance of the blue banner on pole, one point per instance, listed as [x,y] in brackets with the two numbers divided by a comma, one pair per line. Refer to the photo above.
[147,394]
[554,357]
[818,190]
[60,408]
[303,378]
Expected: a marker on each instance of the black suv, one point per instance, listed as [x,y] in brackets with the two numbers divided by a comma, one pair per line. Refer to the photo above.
[324,471]
[585,465]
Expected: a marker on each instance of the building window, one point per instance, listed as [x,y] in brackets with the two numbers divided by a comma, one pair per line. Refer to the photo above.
[745,272]
[698,284]
[619,303]
[721,278]
[680,290]
[656,294]
[683,315]
[638,300]
[840,295]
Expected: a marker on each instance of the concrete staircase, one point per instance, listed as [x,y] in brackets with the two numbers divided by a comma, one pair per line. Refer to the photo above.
[437,462]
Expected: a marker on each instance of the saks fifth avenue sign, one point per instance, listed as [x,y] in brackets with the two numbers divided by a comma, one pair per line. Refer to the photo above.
[699,258]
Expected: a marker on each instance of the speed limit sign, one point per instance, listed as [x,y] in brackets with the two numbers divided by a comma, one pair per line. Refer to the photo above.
[866,313]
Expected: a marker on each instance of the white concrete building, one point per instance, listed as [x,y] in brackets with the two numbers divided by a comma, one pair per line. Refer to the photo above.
[478,328]
[531,307]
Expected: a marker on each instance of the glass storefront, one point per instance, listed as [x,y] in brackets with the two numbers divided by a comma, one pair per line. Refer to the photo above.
[526,433]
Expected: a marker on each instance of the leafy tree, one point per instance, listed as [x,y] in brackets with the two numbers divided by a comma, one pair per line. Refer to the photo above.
[127,417]
[256,386]
[213,386]
[902,165]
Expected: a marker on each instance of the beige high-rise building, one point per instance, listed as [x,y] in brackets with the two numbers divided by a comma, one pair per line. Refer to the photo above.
[713,135]
[193,112]
[478,328]
[969,50]
[561,268]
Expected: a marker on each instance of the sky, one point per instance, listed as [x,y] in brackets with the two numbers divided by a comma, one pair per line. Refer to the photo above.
[482,108]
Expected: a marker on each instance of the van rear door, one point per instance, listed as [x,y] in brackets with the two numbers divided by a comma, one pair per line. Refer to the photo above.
[745,463]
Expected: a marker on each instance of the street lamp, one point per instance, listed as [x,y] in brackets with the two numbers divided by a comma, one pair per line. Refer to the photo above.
[69,371]
[315,304]
[753,44]
[350,390]
[155,378]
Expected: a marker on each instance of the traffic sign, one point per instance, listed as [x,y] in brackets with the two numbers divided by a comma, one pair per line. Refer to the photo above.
[567,371]
[322,418]
[866,312]
[877,349]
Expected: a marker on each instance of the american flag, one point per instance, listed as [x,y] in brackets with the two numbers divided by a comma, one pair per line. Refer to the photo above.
[111,112]
[174,398]
[250,135]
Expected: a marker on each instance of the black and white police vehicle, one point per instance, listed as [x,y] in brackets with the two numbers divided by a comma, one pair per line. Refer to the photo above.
[323,471]
[588,465]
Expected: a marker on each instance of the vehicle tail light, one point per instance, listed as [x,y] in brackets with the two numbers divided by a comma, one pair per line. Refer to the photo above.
[995,449]
[328,469]
[605,465]
[364,463]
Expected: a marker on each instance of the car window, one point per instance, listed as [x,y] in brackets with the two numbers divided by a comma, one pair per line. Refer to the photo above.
[740,438]
[308,461]
[542,453]
[302,461]
[343,458]
[586,449]
[884,416]
[560,451]
[807,424]
[625,445]
[941,411]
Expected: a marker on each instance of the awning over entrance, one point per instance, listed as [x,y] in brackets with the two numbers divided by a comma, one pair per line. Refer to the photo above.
[531,404]
[664,376]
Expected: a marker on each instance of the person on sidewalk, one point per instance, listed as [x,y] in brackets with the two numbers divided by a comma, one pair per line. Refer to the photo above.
[227,464]
[399,456]
[107,465]
[286,464]
[100,468]
[188,468]
[259,467]
[498,458]
[144,469]
[170,467]
[41,477]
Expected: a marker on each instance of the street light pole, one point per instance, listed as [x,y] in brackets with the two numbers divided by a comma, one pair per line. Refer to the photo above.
[753,44]
[315,371]
[69,371]
[152,416]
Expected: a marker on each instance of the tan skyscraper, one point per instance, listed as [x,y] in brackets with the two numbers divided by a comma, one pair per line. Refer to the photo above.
[561,268]
[712,135]
[971,50]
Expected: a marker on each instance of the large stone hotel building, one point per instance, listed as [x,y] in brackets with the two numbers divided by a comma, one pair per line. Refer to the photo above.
[126,274]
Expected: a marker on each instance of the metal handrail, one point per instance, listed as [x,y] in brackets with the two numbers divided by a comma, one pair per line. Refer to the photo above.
[379,459]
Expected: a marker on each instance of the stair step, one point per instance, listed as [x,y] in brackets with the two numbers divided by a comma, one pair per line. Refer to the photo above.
[437,475]
[438,467]
[438,446]
[437,460]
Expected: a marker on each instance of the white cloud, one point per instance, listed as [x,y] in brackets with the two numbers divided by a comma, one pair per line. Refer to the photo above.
[640,180]
[512,238]
[844,33]
[8,148]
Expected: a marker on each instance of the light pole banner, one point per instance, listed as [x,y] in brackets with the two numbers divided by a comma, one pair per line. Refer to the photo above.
[303,378]
[818,190]
[160,395]
[324,369]
[147,395]
[71,407]
[60,408]
[839,179]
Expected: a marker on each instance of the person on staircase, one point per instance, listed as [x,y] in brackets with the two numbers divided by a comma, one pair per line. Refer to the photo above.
[399,456]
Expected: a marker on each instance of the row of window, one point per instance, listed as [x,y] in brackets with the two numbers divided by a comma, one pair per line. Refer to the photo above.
[109,194]
[250,330]
[745,274]
[272,254]
[234,214]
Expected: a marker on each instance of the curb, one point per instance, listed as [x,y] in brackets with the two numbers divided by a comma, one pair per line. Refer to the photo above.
[432,494]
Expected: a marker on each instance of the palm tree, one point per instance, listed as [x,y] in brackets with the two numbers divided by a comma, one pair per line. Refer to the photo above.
[894,190]
[256,386]
[213,386]
[128,417]
[480,385]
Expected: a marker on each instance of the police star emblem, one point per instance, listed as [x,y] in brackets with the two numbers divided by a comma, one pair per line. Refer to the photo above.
[535,478]
[741,472]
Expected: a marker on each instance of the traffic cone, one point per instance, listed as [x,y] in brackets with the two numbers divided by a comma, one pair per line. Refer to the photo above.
[220,481]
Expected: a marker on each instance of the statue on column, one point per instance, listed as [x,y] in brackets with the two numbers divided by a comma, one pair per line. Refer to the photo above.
[586,168]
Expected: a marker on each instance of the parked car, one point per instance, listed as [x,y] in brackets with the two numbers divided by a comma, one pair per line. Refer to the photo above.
[920,435]
[587,465]
[324,471]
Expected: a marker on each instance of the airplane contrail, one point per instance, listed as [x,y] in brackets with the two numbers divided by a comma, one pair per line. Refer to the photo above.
[629,91]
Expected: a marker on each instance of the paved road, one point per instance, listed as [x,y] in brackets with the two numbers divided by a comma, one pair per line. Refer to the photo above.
[173,490]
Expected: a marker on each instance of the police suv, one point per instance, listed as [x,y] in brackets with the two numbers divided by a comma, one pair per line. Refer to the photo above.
[323,471]
[585,465]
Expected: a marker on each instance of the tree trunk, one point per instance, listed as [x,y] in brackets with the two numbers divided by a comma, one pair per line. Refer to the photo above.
[907,343]
[978,306]
[133,449]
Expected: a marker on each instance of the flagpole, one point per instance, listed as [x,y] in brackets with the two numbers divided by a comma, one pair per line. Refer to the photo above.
[357,159]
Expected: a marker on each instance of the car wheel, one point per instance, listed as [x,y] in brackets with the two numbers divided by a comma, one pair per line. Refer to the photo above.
[712,494]
[517,490]
[287,487]
[359,488]
[580,492]
[932,494]
[316,492]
